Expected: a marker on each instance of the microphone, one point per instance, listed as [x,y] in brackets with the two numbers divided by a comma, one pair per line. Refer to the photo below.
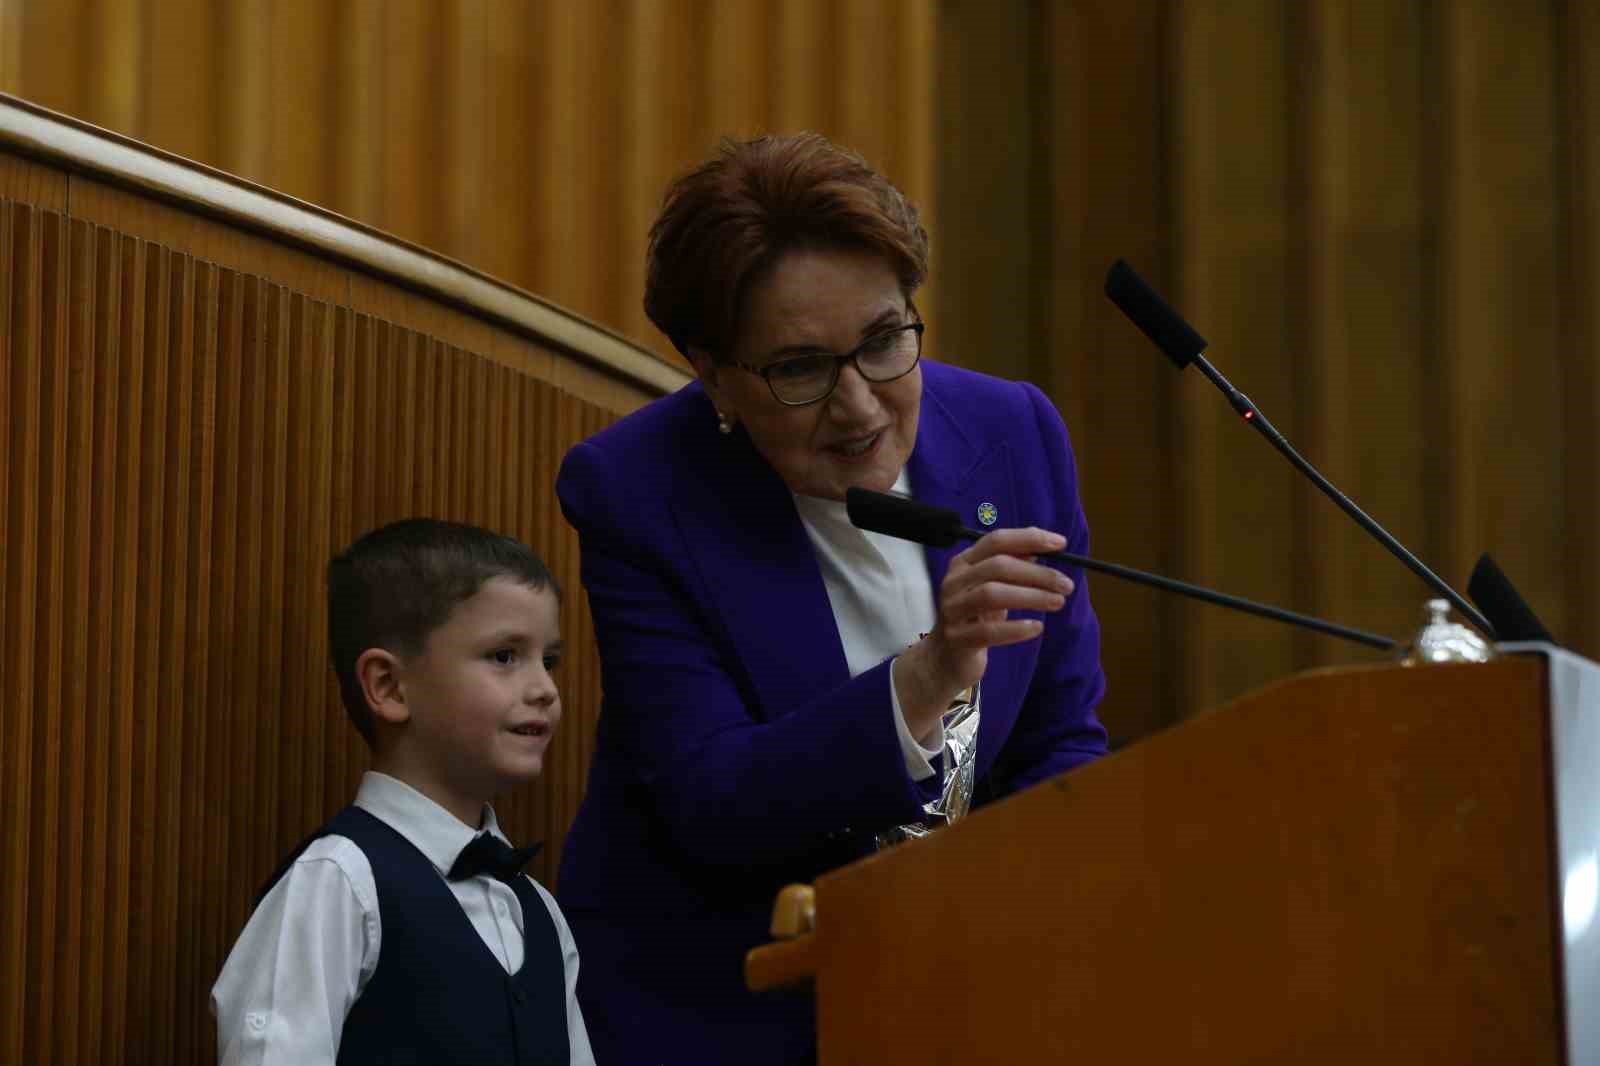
[907,519]
[1183,346]
[1491,590]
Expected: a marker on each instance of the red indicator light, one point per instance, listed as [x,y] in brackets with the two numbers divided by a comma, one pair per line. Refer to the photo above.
[1248,415]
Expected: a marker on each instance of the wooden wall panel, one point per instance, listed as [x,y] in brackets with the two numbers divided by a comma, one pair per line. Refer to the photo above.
[1102,186]
[529,140]
[985,247]
[185,445]
[1579,92]
[185,56]
[1383,217]
[1372,256]
[1237,280]
[1502,339]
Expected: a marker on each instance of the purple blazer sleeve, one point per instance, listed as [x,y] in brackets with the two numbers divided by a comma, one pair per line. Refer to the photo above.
[736,787]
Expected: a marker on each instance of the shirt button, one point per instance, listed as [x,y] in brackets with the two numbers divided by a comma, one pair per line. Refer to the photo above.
[256,1021]
[500,907]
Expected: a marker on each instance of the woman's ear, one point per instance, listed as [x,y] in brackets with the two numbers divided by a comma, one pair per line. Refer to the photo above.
[705,368]
[378,672]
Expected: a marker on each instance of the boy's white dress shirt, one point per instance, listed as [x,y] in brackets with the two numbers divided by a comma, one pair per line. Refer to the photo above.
[309,949]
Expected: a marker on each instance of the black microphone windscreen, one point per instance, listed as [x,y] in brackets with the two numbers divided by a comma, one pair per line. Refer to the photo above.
[1151,314]
[897,516]
[1500,603]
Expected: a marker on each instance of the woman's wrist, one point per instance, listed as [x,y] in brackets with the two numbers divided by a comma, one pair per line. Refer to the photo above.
[924,694]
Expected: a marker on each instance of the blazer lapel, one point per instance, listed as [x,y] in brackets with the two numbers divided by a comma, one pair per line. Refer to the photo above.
[950,468]
[758,568]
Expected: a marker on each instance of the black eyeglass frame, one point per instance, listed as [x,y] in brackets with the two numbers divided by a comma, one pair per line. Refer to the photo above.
[765,372]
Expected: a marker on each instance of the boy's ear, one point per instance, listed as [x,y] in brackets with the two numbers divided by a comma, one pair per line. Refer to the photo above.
[378,671]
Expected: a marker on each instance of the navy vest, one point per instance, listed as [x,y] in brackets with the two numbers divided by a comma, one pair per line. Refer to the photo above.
[439,995]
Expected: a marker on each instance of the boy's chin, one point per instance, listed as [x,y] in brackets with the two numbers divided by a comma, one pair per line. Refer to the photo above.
[519,771]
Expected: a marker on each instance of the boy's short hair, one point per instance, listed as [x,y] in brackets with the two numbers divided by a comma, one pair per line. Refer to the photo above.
[397,584]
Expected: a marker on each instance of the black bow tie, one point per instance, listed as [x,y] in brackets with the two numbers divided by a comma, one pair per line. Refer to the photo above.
[488,854]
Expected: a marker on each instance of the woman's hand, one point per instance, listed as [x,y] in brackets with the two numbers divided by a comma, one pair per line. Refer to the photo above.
[994,576]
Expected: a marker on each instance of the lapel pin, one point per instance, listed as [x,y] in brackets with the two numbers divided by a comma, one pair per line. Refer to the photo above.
[987,513]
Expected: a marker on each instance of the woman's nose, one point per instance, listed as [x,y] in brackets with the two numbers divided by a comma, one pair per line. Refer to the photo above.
[852,394]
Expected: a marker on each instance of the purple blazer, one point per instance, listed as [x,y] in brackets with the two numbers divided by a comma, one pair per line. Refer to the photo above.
[734,752]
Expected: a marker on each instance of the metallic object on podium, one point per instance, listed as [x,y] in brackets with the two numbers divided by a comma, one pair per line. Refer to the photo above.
[1444,641]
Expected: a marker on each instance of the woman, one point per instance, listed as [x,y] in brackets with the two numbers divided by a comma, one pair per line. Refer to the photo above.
[774,679]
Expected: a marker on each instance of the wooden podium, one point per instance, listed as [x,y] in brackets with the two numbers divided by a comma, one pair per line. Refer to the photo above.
[1350,866]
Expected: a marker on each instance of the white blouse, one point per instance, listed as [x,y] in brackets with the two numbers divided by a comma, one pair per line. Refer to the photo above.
[882,599]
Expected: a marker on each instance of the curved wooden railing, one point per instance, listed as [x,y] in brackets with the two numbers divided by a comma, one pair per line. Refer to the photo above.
[208,388]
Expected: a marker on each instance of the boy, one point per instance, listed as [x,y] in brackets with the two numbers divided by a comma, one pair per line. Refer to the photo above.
[403,930]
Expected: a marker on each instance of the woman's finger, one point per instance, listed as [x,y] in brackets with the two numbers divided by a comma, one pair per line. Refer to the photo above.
[1025,540]
[999,596]
[1010,570]
[975,633]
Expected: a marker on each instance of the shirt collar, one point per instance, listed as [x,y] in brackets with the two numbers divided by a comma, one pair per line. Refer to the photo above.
[821,514]
[431,829]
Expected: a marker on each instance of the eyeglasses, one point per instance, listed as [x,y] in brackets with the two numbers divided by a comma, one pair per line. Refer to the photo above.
[805,379]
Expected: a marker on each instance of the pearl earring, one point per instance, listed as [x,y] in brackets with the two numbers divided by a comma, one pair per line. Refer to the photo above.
[723,425]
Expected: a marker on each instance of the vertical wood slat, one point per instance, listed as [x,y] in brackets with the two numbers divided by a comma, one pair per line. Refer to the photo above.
[99,625]
[43,700]
[129,310]
[213,487]
[148,1013]
[75,798]
[179,660]
[20,230]
[293,619]
[278,369]
[198,949]
[252,829]
[13,906]
[352,338]
[225,732]
[14,274]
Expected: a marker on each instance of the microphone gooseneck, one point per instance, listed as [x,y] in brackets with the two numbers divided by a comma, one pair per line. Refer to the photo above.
[907,519]
[1180,343]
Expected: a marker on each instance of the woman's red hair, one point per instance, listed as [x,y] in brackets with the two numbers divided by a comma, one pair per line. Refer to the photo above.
[725,223]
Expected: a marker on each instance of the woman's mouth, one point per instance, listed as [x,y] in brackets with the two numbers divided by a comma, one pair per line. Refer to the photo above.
[531,729]
[855,449]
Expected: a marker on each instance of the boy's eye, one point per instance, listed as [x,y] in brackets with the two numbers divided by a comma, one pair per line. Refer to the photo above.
[551,662]
[504,656]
